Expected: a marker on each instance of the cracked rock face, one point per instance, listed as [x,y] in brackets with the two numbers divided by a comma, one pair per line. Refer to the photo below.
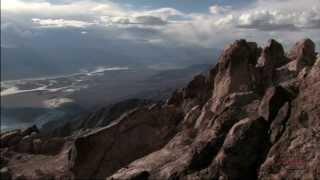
[236,66]
[101,152]
[303,53]
[296,153]
[271,58]
[256,115]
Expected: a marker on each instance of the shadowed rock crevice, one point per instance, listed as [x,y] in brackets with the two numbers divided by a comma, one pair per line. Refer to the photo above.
[272,57]
[279,124]
[240,155]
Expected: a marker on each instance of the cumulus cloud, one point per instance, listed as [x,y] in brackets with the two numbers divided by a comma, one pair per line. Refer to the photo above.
[59,23]
[266,20]
[271,15]
[221,24]
[286,19]
[216,9]
[150,20]
[133,20]
[109,12]
[74,8]
[163,13]
[151,17]
[280,20]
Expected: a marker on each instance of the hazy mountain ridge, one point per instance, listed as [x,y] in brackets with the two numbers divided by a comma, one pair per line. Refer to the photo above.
[52,97]
[35,57]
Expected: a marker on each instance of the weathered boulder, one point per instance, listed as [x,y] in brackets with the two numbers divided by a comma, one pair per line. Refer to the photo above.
[50,146]
[236,66]
[30,130]
[273,100]
[303,54]
[10,138]
[101,152]
[197,87]
[272,57]
[242,150]
[196,92]
[176,98]
[278,124]
[36,166]
[25,145]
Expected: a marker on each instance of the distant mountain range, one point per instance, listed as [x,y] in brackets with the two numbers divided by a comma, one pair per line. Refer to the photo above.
[36,58]
[60,98]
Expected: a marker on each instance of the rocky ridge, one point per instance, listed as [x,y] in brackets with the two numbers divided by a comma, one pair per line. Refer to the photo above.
[256,115]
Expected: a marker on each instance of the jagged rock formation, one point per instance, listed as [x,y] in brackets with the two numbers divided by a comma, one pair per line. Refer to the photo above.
[255,116]
[143,130]
[98,118]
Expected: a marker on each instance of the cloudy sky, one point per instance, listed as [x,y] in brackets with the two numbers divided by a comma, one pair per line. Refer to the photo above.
[203,23]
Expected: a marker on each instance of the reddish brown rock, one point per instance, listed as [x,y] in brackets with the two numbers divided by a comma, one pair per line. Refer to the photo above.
[241,152]
[176,98]
[296,152]
[197,92]
[101,152]
[236,69]
[272,57]
[50,146]
[273,100]
[211,77]
[278,125]
[10,138]
[246,146]
[196,88]
[31,166]
[198,142]
[303,54]
[25,145]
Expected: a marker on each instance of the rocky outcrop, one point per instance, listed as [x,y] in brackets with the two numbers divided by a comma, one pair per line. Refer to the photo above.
[296,154]
[100,117]
[303,54]
[236,69]
[197,92]
[141,131]
[273,100]
[254,116]
[272,57]
[242,149]
[21,140]
[232,135]
[24,154]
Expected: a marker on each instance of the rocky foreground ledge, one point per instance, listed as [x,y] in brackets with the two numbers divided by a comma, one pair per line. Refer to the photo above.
[256,115]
